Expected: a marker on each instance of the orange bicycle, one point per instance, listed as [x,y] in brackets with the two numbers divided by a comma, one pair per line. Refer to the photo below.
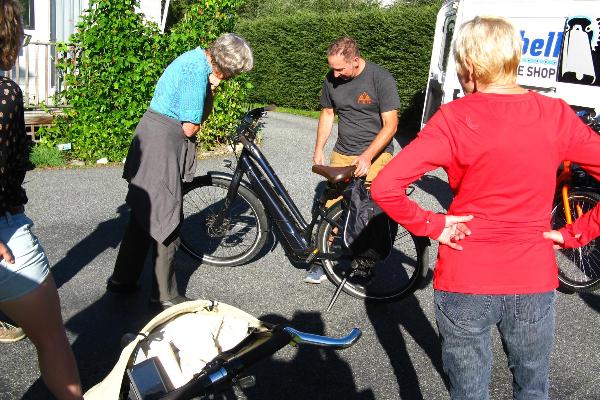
[577,193]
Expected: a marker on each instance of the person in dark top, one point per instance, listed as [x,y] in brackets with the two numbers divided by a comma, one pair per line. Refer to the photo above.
[162,155]
[28,294]
[365,98]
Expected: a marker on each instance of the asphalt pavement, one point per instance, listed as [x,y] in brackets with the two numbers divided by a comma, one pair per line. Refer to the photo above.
[80,217]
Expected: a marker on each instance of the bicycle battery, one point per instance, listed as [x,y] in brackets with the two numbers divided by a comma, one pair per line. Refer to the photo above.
[147,380]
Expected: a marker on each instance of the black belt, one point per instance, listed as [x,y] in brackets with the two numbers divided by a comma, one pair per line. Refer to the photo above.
[16,210]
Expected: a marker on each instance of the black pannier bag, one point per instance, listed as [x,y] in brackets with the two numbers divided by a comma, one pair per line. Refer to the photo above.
[368,231]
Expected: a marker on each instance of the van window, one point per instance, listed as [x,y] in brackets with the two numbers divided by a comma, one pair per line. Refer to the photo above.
[579,60]
[448,32]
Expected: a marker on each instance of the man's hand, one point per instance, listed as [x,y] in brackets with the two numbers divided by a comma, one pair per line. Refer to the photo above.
[363,163]
[190,129]
[557,238]
[318,157]
[455,230]
[6,254]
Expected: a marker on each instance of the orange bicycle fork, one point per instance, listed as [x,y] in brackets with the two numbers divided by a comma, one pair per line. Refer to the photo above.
[565,195]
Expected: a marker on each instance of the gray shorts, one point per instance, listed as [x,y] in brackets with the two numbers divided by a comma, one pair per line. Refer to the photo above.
[31,265]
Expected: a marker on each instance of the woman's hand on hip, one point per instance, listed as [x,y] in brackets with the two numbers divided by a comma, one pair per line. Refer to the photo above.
[557,238]
[455,230]
[6,254]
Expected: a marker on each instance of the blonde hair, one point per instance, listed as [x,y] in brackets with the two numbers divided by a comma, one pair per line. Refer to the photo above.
[231,55]
[11,33]
[492,45]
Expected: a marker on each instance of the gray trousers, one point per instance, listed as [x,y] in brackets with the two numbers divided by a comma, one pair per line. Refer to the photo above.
[132,255]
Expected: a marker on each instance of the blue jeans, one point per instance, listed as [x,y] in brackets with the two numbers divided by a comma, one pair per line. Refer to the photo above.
[526,326]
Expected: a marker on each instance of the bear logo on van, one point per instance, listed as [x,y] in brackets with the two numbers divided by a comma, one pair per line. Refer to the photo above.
[580,55]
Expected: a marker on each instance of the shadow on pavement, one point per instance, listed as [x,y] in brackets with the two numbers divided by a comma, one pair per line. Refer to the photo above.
[107,234]
[313,373]
[592,300]
[387,320]
[437,188]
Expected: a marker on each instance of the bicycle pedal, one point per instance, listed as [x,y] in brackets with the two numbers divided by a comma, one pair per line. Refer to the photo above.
[311,257]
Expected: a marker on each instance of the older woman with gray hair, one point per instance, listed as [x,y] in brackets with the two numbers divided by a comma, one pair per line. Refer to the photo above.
[162,155]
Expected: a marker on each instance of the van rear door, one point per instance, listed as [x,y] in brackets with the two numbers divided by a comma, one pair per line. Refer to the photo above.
[440,55]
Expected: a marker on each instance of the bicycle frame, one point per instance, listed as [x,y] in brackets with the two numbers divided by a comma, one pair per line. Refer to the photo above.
[273,195]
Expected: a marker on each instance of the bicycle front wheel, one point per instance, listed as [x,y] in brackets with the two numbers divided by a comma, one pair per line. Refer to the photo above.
[228,240]
[578,269]
[398,276]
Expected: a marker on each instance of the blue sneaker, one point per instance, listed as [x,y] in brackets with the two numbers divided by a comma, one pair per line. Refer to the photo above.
[315,274]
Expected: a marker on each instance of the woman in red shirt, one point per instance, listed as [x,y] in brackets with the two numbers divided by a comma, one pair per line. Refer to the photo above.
[501,146]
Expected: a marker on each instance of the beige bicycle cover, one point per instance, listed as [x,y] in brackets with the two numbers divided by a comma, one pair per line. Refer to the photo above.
[109,388]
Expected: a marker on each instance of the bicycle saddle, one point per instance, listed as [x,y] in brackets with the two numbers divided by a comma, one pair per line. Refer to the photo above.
[334,174]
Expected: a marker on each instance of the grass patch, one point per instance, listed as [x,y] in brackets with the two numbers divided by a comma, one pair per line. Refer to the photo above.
[295,111]
[43,156]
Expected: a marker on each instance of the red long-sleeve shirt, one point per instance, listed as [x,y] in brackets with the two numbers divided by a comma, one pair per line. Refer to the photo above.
[501,153]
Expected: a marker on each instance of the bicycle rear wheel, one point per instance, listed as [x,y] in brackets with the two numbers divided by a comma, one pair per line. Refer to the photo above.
[240,236]
[578,269]
[398,276]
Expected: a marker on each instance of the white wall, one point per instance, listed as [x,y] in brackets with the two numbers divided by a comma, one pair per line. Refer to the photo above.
[151,9]
[54,21]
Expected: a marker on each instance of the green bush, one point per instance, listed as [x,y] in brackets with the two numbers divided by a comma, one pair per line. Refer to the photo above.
[290,51]
[112,65]
[43,156]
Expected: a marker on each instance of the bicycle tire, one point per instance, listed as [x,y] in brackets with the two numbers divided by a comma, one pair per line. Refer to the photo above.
[246,226]
[398,276]
[578,269]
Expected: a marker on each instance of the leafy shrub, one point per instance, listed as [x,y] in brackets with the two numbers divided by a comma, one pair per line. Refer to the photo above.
[112,65]
[290,51]
[43,156]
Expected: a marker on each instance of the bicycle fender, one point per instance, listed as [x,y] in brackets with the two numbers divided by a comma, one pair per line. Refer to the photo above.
[227,177]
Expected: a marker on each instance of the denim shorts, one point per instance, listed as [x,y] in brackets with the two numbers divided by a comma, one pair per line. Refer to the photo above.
[31,265]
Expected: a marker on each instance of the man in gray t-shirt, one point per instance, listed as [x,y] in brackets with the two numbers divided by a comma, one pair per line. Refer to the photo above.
[365,98]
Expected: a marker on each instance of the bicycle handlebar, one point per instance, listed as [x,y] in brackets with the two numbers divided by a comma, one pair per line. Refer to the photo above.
[248,123]
[228,365]
[324,341]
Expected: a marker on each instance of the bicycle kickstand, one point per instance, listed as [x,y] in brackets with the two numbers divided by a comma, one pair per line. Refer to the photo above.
[338,290]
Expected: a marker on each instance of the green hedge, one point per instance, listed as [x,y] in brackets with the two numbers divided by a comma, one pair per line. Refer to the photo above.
[291,61]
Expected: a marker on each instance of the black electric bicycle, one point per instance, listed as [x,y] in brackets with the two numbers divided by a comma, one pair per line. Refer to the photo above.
[228,220]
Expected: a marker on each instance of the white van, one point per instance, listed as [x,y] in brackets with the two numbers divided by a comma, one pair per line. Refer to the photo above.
[561,49]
